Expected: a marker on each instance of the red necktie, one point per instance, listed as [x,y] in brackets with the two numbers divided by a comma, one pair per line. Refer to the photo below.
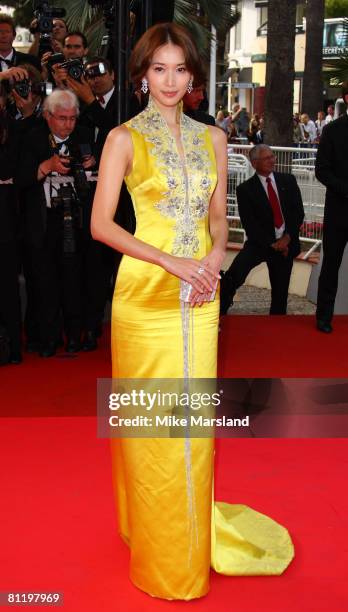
[101,99]
[274,202]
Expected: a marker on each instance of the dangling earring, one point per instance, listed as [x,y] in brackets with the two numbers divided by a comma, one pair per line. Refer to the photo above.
[144,86]
[190,85]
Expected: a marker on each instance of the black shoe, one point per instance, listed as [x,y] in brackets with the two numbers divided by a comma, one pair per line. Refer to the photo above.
[48,349]
[225,299]
[32,346]
[15,357]
[90,341]
[99,330]
[73,345]
[324,326]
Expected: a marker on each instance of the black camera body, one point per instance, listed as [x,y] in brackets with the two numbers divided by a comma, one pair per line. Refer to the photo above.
[45,14]
[65,202]
[74,68]
[25,86]
[55,58]
[96,70]
[77,171]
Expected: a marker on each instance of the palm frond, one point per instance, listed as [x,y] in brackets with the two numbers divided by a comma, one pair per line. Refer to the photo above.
[79,14]
[220,13]
[95,32]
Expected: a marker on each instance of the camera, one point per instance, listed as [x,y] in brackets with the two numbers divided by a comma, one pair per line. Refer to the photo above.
[55,58]
[45,14]
[66,203]
[77,171]
[95,70]
[25,86]
[74,68]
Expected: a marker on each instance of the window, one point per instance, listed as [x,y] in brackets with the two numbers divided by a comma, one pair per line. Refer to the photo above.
[238,30]
[262,16]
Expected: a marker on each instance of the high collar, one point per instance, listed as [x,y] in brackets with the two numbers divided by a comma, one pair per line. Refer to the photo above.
[153,109]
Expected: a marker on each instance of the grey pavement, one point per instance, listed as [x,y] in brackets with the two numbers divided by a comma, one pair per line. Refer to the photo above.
[252,300]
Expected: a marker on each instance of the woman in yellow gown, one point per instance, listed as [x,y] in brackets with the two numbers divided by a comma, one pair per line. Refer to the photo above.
[175,171]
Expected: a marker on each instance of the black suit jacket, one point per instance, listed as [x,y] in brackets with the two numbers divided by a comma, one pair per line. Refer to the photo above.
[8,196]
[256,213]
[331,169]
[35,148]
[25,58]
[94,115]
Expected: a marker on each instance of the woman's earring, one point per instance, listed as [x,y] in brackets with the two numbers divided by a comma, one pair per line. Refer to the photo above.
[190,86]
[144,86]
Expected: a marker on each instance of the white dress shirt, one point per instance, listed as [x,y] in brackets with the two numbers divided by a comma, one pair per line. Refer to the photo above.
[106,97]
[9,58]
[50,186]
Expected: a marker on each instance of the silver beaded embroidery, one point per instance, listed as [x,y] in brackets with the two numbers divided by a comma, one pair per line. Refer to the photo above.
[188,194]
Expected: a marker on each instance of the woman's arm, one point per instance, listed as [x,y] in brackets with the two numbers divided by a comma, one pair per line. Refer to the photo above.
[217,212]
[116,163]
[217,208]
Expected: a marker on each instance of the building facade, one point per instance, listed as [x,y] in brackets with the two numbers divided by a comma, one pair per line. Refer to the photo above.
[248,48]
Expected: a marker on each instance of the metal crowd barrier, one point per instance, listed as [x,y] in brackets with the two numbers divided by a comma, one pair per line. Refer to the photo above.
[300,161]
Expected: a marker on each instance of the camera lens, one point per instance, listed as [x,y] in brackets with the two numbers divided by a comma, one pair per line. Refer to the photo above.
[75,72]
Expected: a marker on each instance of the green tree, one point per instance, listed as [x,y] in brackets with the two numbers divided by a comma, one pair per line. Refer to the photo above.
[197,16]
[280,72]
[336,8]
[312,92]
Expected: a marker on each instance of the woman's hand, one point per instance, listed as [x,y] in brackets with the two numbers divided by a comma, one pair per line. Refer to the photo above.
[201,278]
[212,263]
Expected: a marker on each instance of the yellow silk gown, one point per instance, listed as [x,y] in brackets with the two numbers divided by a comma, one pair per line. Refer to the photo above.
[163,486]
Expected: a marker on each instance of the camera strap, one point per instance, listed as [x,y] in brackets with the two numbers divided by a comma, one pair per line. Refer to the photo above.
[57,146]
[55,149]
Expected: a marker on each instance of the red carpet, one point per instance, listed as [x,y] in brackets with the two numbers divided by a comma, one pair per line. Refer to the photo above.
[58,529]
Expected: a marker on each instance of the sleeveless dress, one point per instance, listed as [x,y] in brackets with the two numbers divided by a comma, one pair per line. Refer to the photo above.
[163,486]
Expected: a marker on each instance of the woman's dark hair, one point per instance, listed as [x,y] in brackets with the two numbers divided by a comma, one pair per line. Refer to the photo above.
[157,36]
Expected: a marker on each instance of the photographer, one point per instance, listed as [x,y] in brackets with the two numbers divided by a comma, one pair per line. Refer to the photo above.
[96,91]
[9,56]
[10,316]
[56,39]
[71,60]
[27,92]
[54,231]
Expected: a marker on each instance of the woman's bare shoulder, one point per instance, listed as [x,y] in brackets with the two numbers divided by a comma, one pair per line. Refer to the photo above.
[218,136]
[119,136]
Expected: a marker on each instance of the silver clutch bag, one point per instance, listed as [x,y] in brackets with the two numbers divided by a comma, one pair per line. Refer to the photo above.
[186,290]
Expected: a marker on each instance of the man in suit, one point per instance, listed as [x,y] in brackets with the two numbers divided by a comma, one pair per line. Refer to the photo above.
[8,55]
[192,102]
[10,313]
[56,254]
[271,212]
[96,92]
[331,169]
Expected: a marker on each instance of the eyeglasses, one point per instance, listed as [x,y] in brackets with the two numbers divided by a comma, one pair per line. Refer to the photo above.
[64,118]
